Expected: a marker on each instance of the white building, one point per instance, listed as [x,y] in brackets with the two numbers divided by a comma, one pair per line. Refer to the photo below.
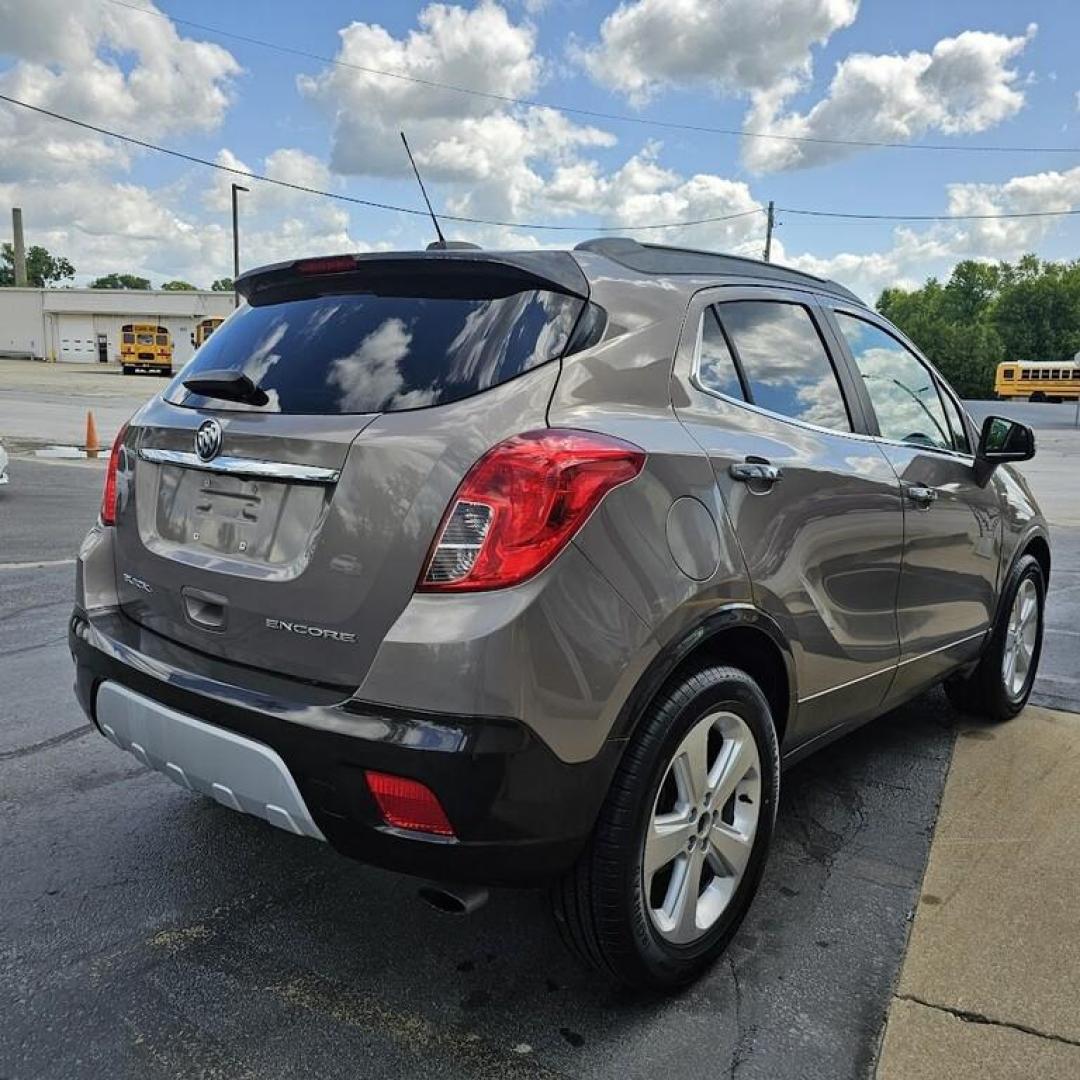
[83,325]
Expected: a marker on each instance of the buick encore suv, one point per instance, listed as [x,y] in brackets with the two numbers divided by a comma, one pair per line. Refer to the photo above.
[531,568]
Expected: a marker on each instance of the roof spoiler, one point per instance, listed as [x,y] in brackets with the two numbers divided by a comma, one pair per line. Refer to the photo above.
[453,270]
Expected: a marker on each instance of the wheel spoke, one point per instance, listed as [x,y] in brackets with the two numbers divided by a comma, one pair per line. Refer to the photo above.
[1010,666]
[684,909]
[695,759]
[737,759]
[1027,610]
[729,849]
[666,841]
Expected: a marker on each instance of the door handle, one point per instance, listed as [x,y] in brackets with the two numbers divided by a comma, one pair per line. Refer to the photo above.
[922,496]
[761,471]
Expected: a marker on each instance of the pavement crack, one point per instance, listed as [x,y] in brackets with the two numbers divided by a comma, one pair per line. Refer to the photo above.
[47,744]
[737,1053]
[981,1018]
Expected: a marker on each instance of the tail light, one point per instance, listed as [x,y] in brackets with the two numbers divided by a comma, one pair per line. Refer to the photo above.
[408,804]
[520,504]
[108,497]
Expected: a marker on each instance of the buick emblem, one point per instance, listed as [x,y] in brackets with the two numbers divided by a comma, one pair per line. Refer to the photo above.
[208,440]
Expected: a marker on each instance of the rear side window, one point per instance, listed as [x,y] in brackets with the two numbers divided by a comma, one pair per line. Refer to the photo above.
[785,366]
[358,352]
[901,388]
[716,366]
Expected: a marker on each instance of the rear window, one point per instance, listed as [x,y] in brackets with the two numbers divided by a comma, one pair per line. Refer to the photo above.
[357,352]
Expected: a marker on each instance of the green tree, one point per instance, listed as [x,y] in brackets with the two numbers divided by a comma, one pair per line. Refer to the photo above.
[950,324]
[42,269]
[1038,316]
[120,281]
[222,284]
[178,286]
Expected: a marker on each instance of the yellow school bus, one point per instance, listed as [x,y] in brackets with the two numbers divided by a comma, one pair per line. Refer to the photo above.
[204,330]
[1041,381]
[145,347]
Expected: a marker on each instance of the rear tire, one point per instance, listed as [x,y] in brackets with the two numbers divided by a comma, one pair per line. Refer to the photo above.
[677,852]
[1000,685]
[126,369]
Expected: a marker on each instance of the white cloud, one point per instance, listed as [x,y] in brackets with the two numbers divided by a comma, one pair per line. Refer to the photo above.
[287,164]
[109,66]
[965,85]
[917,253]
[481,49]
[731,45]
[495,157]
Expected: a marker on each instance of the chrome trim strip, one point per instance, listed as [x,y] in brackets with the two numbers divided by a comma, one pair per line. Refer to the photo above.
[234,466]
[945,648]
[890,670]
[845,685]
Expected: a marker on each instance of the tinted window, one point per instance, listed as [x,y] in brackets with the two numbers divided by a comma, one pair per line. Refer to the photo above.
[956,424]
[901,388]
[360,352]
[784,361]
[716,366]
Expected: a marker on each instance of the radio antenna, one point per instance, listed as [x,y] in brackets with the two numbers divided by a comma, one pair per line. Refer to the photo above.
[423,191]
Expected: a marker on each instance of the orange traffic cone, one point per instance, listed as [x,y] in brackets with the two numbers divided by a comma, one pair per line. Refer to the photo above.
[92,445]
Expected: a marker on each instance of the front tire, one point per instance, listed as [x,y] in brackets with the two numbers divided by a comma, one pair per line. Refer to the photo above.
[1000,685]
[681,841]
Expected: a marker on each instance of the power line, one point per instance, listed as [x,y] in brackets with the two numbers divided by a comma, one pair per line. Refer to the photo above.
[536,226]
[621,118]
[927,217]
[196,160]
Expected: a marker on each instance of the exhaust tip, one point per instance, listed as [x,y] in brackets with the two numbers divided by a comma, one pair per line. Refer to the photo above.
[452,899]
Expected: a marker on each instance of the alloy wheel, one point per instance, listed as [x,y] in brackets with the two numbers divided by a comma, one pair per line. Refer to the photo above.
[1021,635]
[701,831]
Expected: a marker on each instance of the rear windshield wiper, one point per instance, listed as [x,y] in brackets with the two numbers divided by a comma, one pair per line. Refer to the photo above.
[226,385]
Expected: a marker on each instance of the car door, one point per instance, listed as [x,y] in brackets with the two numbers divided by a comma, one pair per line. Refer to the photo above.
[952,523]
[815,505]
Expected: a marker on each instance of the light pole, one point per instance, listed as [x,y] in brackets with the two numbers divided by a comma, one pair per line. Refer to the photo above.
[235,244]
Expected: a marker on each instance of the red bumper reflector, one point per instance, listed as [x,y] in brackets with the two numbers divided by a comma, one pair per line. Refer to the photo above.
[408,804]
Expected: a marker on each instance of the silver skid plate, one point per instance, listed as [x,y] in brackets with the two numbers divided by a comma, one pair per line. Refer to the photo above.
[239,773]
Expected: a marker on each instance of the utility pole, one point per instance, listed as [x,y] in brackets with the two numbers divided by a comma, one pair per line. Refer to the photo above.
[768,231]
[19,247]
[235,244]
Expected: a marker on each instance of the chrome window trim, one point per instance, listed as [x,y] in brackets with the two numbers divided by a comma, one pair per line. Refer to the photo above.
[250,467]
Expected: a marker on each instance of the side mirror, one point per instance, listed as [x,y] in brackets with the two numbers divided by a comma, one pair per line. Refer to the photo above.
[1004,440]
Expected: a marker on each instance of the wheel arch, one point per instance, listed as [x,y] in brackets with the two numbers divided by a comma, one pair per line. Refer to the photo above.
[737,634]
[1039,547]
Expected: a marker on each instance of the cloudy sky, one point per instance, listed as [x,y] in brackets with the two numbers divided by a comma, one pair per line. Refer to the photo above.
[960,74]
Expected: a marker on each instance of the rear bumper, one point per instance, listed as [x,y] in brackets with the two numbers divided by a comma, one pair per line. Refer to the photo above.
[521,815]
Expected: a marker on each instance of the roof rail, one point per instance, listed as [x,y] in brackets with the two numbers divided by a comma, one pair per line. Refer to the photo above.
[662,260]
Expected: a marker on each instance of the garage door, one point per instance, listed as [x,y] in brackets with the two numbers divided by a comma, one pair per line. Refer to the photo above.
[77,340]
